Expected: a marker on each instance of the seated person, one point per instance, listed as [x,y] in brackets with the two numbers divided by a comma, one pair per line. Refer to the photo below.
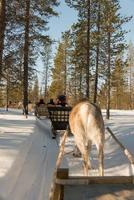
[51,103]
[41,102]
[38,105]
[61,100]
[30,106]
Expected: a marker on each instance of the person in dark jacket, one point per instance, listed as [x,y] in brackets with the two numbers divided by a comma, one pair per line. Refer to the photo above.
[41,102]
[61,100]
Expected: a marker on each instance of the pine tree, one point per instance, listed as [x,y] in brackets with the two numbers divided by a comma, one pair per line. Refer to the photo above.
[35,91]
[2,31]
[84,13]
[130,74]
[78,61]
[46,57]
[114,39]
[57,85]
[28,36]
[26,56]
[98,33]
[66,59]
[118,84]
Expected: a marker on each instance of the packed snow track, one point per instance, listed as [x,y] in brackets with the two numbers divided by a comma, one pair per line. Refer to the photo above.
[27,157]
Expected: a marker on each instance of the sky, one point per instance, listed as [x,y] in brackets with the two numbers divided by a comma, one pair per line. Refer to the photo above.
[67,16]
[127,9]
[57,25]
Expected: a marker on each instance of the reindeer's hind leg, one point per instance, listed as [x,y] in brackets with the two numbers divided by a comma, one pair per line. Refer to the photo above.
[85,155]
[85,161]
[101,158]
[84,152]
[89,146]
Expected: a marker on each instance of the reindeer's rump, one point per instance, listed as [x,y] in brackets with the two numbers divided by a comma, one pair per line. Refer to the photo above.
[86,119]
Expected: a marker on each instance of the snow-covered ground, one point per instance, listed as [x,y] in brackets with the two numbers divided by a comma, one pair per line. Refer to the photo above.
[27,157]
[116,163]
[28,154]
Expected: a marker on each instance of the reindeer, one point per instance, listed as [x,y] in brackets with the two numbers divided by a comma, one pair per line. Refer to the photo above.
[87,126]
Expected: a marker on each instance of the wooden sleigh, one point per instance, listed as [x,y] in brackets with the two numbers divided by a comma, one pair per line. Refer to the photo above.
[65,187]
[41,111]
[59,117]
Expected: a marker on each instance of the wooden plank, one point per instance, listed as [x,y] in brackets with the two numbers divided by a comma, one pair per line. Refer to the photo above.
[58,192]
[63,173]
[99,192]
[95,180]
[61,151]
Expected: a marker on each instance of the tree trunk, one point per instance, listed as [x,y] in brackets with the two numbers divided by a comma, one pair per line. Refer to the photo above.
[46,79]
[2,30]
[7,95]
[80,87]
[65,68]
[109,76]
[26,56]
[130,90]
[88,49]
[97,55]
[75,88]
[7,88]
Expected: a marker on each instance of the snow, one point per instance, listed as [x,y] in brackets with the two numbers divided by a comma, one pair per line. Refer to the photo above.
[26,158]
[115,162]
[28,154]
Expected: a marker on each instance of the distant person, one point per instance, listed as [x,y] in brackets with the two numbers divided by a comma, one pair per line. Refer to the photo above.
[30,106]
[61,100]
[38,105]
[20,105]
[51,102]
[41,102]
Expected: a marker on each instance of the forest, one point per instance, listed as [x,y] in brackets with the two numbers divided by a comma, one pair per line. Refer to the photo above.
[92,59]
